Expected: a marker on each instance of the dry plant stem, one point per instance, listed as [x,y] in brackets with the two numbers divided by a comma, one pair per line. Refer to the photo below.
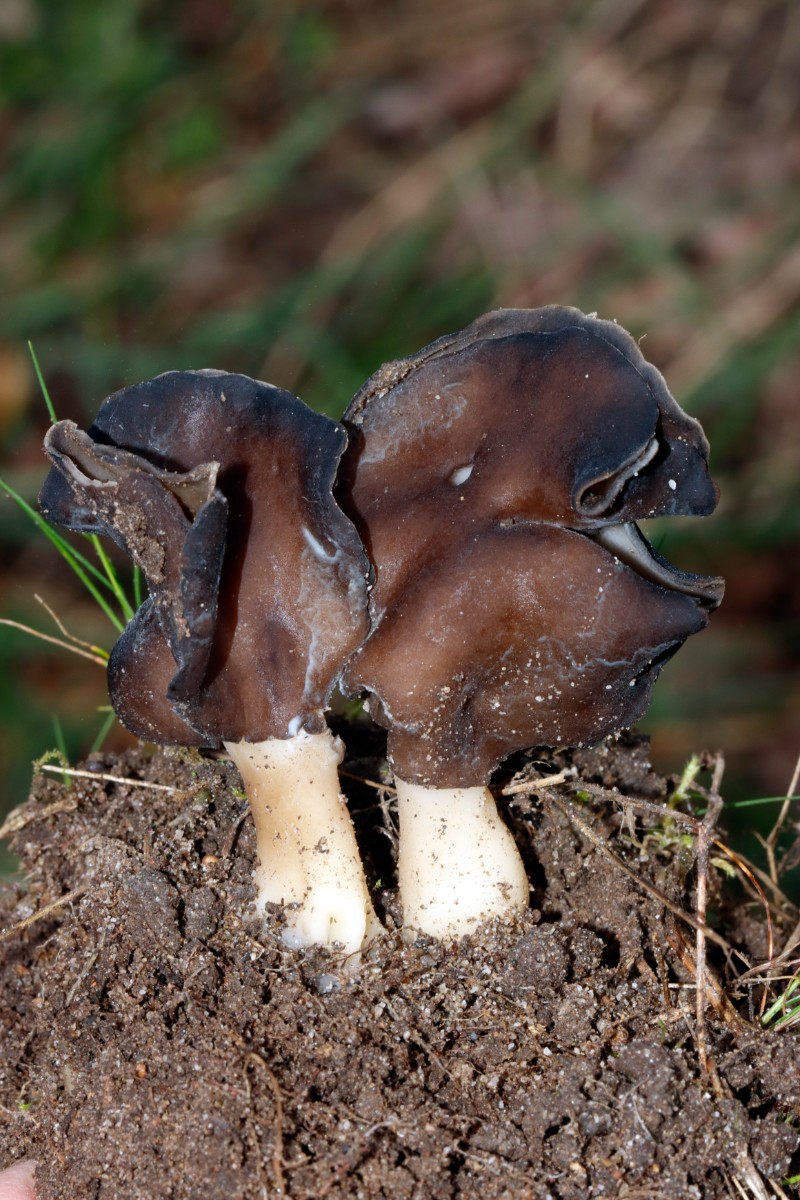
[536,785]
[76,641]
[18,818]
[378,787]
[99,776]
[716,994]
[772,840]
[309,859]
[662,811]
[46,637]
[778,1190]
[69,642]
[47,911]
[458,863]
[703,842]
[750,881]
[782,905]
[792,942]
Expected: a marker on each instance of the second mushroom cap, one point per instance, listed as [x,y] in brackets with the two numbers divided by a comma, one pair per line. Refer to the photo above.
[495,479]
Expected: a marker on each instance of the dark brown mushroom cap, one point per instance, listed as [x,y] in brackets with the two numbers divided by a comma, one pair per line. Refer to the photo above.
[171,523]
[526,636]
[220,488]
[550,415]
[495,478]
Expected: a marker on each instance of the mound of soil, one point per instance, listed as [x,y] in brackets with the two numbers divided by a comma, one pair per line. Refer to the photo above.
[160,1041]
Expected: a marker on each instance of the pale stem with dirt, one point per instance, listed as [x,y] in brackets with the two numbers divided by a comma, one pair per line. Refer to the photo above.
[309,860]
[458,864]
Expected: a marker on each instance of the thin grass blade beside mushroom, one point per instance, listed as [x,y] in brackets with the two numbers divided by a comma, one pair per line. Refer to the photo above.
[220,489]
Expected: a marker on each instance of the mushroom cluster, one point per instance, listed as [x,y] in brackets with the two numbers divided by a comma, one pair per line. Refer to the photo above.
[463,548]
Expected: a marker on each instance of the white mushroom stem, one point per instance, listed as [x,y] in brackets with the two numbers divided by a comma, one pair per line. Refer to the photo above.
[309,859]
[458,863]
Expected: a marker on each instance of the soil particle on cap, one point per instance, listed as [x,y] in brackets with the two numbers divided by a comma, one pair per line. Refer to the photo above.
[159,1040]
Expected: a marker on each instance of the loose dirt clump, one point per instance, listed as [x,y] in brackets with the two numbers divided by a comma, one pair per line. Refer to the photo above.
[159,1040]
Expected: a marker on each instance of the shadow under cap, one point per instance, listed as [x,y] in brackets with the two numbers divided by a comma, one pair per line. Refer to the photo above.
[220,488]
[495,478]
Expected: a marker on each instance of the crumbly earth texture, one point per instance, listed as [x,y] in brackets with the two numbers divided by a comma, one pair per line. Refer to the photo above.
[158,1041]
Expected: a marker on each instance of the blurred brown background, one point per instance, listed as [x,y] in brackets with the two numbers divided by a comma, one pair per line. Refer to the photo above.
[300,191]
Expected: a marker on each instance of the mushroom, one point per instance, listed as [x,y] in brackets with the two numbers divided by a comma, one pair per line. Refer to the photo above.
[495,479]
[220,488]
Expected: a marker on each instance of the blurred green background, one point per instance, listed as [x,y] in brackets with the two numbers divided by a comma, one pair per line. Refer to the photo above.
[299,191]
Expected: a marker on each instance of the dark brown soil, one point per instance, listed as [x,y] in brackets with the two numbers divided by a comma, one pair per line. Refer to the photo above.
[158,1041]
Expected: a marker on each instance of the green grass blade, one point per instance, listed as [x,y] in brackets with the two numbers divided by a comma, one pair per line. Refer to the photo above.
[108,575]
[102,733]
[113,578]
[75,560]
[786,1009]
[96,595]
[762,800]
[62,545]
[62,748]
[42,384]
[80,565]
[137,587]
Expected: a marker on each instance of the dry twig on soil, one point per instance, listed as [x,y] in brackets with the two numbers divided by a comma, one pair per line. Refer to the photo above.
[41,913]
[702,848]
